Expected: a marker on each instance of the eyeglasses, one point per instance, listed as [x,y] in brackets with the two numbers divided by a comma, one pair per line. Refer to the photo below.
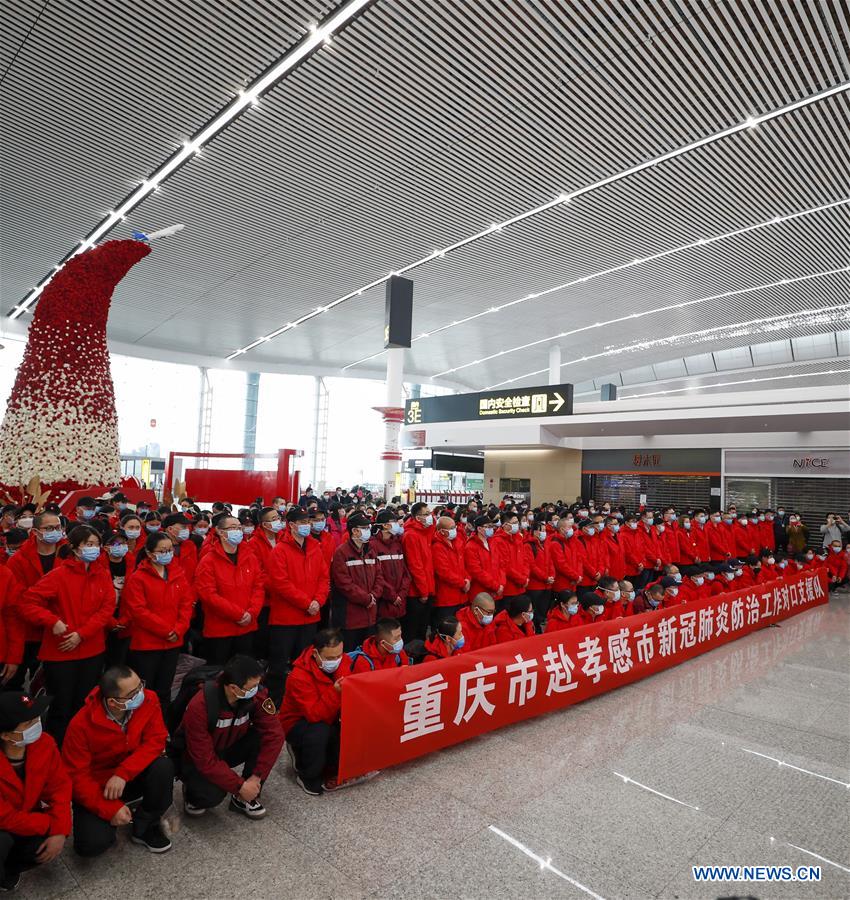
[133,694]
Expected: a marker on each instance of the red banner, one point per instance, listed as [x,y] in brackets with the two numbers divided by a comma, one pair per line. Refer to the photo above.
[391,716]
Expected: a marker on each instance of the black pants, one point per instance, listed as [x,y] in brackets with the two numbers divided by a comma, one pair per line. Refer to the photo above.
[156,668]
[261,635]
[285,644]
[352,638]
[540,601]
[438,613]
[17,853]
[69,683]
[201,792]
[116,649]
[642,579]
[316,748]
[218,651]
[155,786]
[28,665]
[415,625]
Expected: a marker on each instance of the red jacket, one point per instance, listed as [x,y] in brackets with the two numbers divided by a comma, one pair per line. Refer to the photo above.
[40,804]
[747,539]
[296,576]
[650,546]
[11,625]
[186,553]
[476,636]
[337,531]
[566,558]
[25,565]
[416,542]
[689,545]
[437,648]
[619,610]
[632,548]
[541,565]
[378,657]
[157,606]
[513,561]
[836,565]
[96,748]
[587,617]
[507,630]
[484,565]
[668,541]
[310,692]
[357,577]
[328,544]
[227,591]
[449,573]
[766,533]
[261,549]
[720,542]
[396,577]
[615,554]
[205,750]
[593,557]
[84,599]
[558,621]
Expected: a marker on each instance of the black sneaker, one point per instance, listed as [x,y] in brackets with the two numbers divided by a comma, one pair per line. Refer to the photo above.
[153,838]
[253,810]
[291,752]
[312,791]
[10,882]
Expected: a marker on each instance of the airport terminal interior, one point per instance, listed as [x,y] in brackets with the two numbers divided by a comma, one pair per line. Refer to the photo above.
[425,453]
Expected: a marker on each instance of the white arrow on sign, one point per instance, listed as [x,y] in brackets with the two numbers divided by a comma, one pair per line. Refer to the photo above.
[558,402]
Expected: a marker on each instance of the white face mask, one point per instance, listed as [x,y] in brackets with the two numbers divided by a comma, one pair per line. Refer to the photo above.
[699,582]
[30,734]
[329,665]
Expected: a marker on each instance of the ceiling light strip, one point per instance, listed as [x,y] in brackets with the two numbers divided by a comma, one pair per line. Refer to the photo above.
[698,387]
[693,336]
[702,242]
[648,312]
[313,40]
[751,122]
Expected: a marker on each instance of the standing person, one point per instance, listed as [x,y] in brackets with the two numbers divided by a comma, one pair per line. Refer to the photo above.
[541,569]
[592,555]
[74,603]
[158,604]
[114,753]
[834,530]
[477,622]
[298,583]
[450,578]
[176,526]
[35,791]
[336,523]
[30,564]
[780,524]
[615,551]
[319,532]
[229,586]
[228,723]
[131,527]
[509,545]
[262,544]
[632,541]
[117,558]
[356,583]
[746,536]
[387,543]
[11,629]
[797,534]
[416,543]
[720,543]
[483,562]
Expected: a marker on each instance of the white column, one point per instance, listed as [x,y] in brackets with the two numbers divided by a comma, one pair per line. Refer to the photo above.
[555,364]
[393,416]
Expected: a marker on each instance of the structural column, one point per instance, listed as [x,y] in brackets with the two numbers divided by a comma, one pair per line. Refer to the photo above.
[393,412]
[249,437]
[555,364]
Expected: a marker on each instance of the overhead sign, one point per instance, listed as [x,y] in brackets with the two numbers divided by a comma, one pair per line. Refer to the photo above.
[520,403]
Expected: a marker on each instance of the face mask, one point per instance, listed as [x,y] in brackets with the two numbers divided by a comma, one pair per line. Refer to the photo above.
[781,512]
[135,702]
[397,647]
[836,549]
[632,525]
[152,528]
[89,554]
[582,513]
[715,519]
[452,534]
[572,610]
[761,518]
[743,521]
[11,551]
[89,513]
[709,576]
[459,643]
[615,527]
[590,531]
[677,577]
[318,527]
[686,526]
[133,533]
[248,529]
[648,522]
[783,564]
[282,508]
[631,595]
[276,526]
[701,520]
[463,520]
[250,694]
[396,528]
[514,528]
[528,616]
[486,618]
[727,521]
[51,537]
[183,535]
[616,595]
[29,735]
[234,535]
[429,520]
[699,582]
[302,530]
[488,532]
[119,551]
[569,532]
[541,535]
[365,534]
[597,610]
[673,592]
[164,558]
[653,603]
[729,575]
[330,665]
[25,523]
[810,556]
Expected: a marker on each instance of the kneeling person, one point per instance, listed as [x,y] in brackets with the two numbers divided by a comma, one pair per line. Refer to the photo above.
[383,651]
[114,751]
[230,722]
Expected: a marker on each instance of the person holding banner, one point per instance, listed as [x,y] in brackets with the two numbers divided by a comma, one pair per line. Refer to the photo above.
[446,640]
[477,622]
[515,621]
[450,578]
[564,612]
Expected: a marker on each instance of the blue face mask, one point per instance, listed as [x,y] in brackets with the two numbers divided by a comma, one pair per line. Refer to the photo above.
[234,535]
[152,528]
[396,528]
[452,534]
[398,646]
[164,559]
[51,537]
[541,535]
[136,701]
[318,527]
[303,530]
[183,534]
[365,534]
[89,554]
[488,532]
[250,694]
[459,643]
[119,551]
[429,520]
[89,513]
[514,527]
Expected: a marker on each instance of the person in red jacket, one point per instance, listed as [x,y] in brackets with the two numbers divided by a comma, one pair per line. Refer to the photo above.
[157,602]
[615,553]
[311,710]
[688,552]
[515,620]
[265,539]
[297,584]
[230,589]
[416,543]
[509,543]
[387,542]
[720,544]
[450,578]
[35,791]
[649,599]
[446,640]
[114,752]
[319,532]
[712,582]
[541,569]
[11,629]
[564,612]
[483,563]
[566,556]
[477,622]
[836,565]
[357,582]
[74,603]
[176,526]
[384,650]
[768,536]
[693,586]
[30,564]
[242,729]
[668,538]
[592,554]
[747,537]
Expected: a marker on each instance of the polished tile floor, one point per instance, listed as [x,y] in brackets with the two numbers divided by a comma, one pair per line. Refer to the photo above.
[617,797]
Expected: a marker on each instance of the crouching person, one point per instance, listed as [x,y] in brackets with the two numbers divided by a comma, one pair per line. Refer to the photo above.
[228,723]
[35,791]
[114,752]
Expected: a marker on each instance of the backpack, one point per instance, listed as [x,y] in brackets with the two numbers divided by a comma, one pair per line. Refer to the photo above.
[361,653]
[203,678]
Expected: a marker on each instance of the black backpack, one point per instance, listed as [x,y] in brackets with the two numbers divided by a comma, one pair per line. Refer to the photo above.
[200,678]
